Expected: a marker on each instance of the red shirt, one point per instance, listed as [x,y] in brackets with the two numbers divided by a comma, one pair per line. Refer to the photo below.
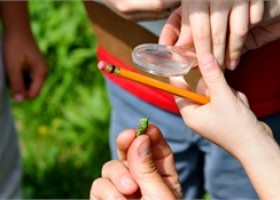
[257,76]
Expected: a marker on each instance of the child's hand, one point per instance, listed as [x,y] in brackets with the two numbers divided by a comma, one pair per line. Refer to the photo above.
[25,66]
[145,169]
[227,120]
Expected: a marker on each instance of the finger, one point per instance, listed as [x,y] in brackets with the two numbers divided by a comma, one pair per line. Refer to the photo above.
[219,20]
[164,160]
[213,77]
[243,98]
[202,88]
[16,81]
[200,26]
[239,26]
[186,106]
[171,30]
[144,171]
[38,77]
[102,188]
[124,140]
[182,102]
[256,11]
[185,36]
[265,34]
[122,180]
[159,146]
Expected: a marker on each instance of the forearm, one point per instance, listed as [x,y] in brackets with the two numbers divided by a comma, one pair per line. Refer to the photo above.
[134,10]
[15,18]
[261,160]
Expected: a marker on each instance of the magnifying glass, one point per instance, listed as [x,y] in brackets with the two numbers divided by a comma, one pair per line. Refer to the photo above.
[166,61]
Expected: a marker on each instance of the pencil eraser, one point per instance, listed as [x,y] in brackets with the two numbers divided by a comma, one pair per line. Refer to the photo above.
[102,65]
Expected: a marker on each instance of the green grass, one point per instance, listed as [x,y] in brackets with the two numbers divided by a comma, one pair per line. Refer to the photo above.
[64,132]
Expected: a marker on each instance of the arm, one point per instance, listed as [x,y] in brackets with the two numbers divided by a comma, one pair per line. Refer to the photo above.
[135,10]
[20,51]
[228,121]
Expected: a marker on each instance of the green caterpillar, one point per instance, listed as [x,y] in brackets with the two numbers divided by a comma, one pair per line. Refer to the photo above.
[142,126]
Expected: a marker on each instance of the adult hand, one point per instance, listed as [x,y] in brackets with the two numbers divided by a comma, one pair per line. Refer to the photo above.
[145,169]
[227,120]
[217,27]
[25,66]
[269,28]
[136,10]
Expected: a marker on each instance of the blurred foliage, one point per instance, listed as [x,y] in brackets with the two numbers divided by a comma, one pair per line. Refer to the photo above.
[64,132]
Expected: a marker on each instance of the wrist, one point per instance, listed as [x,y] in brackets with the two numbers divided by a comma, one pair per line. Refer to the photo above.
[258,146]
[261,161]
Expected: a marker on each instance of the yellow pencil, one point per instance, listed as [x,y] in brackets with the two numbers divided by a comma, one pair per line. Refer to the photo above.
[153,83]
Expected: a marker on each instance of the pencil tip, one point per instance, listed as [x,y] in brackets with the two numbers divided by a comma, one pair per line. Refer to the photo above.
[102,65]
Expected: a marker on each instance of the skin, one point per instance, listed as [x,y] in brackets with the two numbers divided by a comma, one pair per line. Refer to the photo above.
[147,173]
[223,28]
[135,10]
[179,31]
[142,160]
[251,142]
[19,47]
[146,167]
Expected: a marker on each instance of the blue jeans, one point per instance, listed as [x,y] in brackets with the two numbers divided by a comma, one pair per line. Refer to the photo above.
[201,164]
[10,167]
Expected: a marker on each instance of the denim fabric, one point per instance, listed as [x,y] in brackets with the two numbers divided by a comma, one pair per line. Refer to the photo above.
[10,168]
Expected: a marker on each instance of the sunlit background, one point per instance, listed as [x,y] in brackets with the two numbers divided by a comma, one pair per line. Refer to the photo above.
[64,132]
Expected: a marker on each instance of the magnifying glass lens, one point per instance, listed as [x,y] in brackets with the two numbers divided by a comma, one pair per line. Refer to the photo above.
[164,60]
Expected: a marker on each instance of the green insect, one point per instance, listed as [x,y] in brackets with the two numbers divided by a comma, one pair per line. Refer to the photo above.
[142,126]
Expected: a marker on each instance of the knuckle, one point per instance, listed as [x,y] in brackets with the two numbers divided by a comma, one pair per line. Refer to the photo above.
[95,183]
[202,34]
[241,33]
[218,38]
[107,166]
[214,77]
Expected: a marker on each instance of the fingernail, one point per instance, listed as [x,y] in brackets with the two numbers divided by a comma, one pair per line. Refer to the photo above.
[126,181]
[232,65]
[206,60]
[19,97]
[144,149]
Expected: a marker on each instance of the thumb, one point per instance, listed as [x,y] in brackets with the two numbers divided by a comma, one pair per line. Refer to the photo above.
[213,76]
[144,171]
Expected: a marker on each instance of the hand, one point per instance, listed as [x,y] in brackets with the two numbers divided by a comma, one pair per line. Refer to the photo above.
[269,28]
[25,66]
[136,10]
[227,120]
[217,27]
[145,169]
